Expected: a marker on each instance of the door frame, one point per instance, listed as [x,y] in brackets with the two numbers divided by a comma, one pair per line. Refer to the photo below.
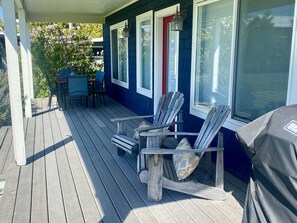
[158,50]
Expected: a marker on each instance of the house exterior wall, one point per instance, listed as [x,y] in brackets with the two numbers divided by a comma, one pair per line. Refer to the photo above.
[236,162]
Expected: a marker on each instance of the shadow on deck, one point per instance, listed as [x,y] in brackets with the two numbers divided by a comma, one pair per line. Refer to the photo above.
[74,175]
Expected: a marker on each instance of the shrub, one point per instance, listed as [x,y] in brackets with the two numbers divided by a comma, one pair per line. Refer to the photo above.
[4,100]
[56,46]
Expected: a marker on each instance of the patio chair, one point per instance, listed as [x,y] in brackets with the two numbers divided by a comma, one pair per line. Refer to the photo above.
[167,110]
[52,89]
[180,172]
[77,87]
[63,73]
[98,88]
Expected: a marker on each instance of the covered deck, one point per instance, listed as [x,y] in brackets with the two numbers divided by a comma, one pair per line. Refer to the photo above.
[73,174]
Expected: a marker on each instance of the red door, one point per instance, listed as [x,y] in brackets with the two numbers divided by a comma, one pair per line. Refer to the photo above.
[166,30]
[170,57]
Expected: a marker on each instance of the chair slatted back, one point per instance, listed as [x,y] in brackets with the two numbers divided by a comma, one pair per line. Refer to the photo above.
[211,126]
[168,107]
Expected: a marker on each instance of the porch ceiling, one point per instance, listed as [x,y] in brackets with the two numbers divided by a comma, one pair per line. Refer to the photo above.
[89,11]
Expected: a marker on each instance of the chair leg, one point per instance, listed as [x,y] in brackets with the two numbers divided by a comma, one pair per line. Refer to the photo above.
[65,103]
[155,175]
[50,101]
[103,99]
[99,95]
[121,152]
[220,163]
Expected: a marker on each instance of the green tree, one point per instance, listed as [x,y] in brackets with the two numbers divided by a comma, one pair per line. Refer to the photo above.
[1,25]
[94,30]
[56,46]
[4,99]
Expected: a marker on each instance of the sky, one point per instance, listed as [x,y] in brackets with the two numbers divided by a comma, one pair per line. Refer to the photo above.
[1,13]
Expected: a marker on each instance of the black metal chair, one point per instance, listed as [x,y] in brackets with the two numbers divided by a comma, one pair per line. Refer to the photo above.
[99,89]
[52,89]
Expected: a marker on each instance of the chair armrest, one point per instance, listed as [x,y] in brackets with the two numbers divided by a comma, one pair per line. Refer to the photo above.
[130,118]
[168,133]
[214,149]
[144,129]
[161,151]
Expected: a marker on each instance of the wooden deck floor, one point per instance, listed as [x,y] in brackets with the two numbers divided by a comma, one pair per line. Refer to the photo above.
[74,175]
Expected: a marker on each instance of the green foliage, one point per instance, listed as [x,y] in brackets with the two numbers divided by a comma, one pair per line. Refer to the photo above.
[93,30]
[1,25]
[57,46]
[4,100]
[41,88]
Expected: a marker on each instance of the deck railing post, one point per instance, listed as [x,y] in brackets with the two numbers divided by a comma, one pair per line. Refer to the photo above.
[14,81]
[25,62]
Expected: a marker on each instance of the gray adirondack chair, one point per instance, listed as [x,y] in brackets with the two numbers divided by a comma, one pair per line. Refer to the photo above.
[168,107]
[159,173]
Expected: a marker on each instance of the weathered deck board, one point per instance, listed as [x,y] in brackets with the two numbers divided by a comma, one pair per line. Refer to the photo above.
[102,198]
[86,198]
[75,175]
[39,212]
[3,132]
[56,211]
[70,200]
[5,145]
[11,172]
[23,200]
[120,203]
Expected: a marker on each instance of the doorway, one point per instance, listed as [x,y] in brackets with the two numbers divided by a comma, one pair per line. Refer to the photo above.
[170,59]
[166,54]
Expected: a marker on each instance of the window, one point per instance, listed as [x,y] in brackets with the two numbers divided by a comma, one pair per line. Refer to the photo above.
[213,50]
[144,53]
[263,57]
[242,57]
[119,55]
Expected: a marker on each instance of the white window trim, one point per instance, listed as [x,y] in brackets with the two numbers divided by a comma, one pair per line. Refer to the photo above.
[140,18]
[292,83]
[115,81]
[232,124]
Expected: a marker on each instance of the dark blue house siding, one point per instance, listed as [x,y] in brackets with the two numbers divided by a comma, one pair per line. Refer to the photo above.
[236,161]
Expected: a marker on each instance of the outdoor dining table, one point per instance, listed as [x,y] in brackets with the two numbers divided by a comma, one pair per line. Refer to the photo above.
[62,83]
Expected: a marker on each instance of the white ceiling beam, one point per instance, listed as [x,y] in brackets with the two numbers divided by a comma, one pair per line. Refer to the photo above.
[81,18]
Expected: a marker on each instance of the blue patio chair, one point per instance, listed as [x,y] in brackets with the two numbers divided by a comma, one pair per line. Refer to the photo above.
[64,73]
[99,86]
[77,87]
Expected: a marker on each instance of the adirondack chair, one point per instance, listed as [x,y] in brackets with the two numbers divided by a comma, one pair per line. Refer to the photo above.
[159,172]
[168,107]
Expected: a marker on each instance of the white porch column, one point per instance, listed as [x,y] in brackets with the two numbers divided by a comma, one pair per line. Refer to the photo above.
[30,60]
[14,82]
[25,63]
